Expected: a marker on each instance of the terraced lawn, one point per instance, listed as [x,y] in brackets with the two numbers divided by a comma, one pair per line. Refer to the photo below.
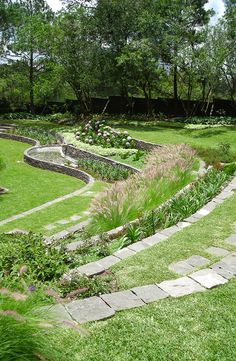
[28,186]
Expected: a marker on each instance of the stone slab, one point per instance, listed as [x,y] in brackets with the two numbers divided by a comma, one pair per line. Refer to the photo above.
[55,312]
[63,221]
[138,246]
[197,261]
[231,239]
[49,226]
[108,261]
[90,269]
[155,239]
[150,293]
[180,287]
[73,246]
[230,259]
[75,218]
[191,219]
[208,278]
[217,251]
[89,309]
[75,228]
[181,268]
[203,211]
[170,230]
[224,270]
[183,225]
[18,231]
[124,253]
[59,235]
[122,300]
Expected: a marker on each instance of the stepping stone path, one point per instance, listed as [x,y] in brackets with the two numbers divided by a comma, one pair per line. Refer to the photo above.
[188,265]
[231,240]
[208,278]
[216,251]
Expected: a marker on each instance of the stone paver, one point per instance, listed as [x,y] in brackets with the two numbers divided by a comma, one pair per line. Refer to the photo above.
[90,269]
[89,309]
[181,268]
[18,231]
[197,261]
[59,235]
[150,293]
[183,224]
[155,239]
[49,226]
[230,259]
[191,219]
[138,246]
[231,239]
[208,278]
[56,312]
[217,251]
[63,221]
[203,212]
[169,231]
[122,300]
[180,287]
[108,261]
[124,253]
[224,270]
[73,246]
[75,218]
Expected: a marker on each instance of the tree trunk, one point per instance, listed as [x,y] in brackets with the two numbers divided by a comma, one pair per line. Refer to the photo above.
[31,79]
[175,83]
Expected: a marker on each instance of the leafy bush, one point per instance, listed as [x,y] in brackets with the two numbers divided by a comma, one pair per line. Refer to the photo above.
[105,152]
[211,120]
[40,134]
[213,156]
[97,132]
[27,259]
[103,170]
[167,170]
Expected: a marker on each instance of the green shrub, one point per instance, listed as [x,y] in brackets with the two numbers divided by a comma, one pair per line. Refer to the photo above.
[103,170]
[40,134]
[222,153]
[211,120]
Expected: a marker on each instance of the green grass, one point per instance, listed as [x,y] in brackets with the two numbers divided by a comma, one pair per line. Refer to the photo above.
[151,265]
[28,186]
[175,133]
[200,327]
[50,215]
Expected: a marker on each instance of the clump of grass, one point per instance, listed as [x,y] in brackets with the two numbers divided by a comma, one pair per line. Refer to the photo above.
[222,153]
[166,171]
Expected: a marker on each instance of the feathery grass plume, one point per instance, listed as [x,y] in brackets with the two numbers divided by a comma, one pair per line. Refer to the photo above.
[167,170]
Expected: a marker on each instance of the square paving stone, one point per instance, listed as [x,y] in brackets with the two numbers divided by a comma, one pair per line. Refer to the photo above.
[89,309]
[170,230]
[191,219]
[224,270]
[155,239]
[197,261]
[217,251]
[63,221]
[138,246]
[181,268]
[90,269]
[74,246]
[203,212]
[230,259]
[59,235]
[108,261]
[49,226]
[183,225]
[231,239]
[55,312]
[208,278]
[124,253]
[122,300]
[150,293]
[75,218]
[180,287]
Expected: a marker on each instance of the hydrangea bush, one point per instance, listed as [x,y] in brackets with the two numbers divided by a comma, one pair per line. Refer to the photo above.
[96,132]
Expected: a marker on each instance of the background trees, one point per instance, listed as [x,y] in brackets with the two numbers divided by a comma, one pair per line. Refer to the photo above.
[147,48]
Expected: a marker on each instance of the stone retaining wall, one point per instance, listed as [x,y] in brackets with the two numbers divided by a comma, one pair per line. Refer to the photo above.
[28,158]
[76,153]
[19,138]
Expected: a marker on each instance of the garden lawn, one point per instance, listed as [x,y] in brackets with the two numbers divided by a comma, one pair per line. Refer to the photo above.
[151,265]
[36,222]
[199,327]
[176,133]
[28,186]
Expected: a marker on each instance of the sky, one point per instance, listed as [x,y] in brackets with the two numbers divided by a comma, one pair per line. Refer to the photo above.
[217,5]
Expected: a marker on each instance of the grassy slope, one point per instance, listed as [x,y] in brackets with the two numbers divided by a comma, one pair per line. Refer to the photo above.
[169,133]
[63,210]
[29,186]
[151,265]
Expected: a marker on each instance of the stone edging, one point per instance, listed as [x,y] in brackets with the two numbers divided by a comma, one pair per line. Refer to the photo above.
[19,138]
[100,266]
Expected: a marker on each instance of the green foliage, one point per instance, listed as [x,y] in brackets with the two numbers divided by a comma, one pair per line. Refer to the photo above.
[222,153]
[212,120]
[103,170]
[40,134]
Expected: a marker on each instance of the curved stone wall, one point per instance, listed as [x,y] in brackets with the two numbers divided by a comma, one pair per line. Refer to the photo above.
[19,138]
